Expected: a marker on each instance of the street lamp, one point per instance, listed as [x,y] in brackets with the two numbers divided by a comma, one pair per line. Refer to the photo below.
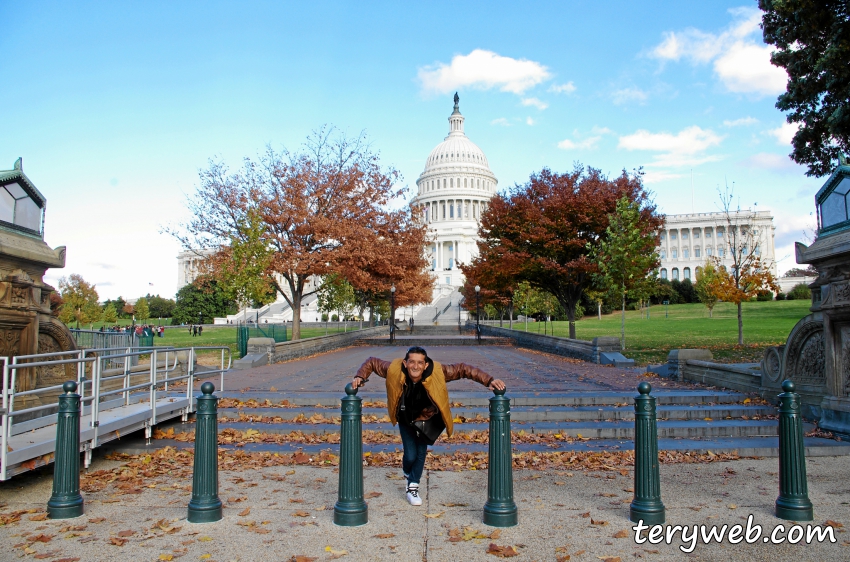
[478,313]
[392,313]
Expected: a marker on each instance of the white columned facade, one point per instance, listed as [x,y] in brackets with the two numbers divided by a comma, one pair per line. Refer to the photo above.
[451,193]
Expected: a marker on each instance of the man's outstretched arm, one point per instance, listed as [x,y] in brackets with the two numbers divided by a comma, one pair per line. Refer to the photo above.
[464,371]
[371,365]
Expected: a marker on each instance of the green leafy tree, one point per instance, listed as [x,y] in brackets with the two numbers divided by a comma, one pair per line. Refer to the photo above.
[527,300]
[203,300]
[160,307]
[626,255]
[336,295]
[143,312]
[110,315]
[812,41]
[709,279]
[80,301]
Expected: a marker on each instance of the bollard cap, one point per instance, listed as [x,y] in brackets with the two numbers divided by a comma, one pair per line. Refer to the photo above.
[69,387]
[498,392]
[788,385]
[350,390]
[644,388]
[207,388]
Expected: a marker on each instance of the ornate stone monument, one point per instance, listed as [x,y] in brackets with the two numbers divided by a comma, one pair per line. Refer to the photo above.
[817,354]
[28,324]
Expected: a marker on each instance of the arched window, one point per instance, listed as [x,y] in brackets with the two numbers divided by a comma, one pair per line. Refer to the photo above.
[664,273]
[675,274]
[686,273]
[675,253]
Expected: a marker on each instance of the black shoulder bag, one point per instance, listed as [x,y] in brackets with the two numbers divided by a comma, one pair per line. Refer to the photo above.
[430,430]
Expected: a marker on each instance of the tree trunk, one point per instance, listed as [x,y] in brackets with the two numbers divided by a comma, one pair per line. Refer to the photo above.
[623,324]
[571,318]
[511,317]
[740,326]
[296,316]
[599,310]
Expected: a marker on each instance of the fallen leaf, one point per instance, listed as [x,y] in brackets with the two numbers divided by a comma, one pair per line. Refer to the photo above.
[434,515]
[97,519]
[610,558]
[166,557]
[204,539]
[41,538]
[384,536]
[372,495]
[496,534]
[300,558]
[245,512]
[39,517]
[117,541]
[599,522]
[501,551]
[290,472]
[206,556]
[67,560]
[300,513]
[126,533]
[454,504]
[585,514]
[733,506]
[835,524]
[621,534]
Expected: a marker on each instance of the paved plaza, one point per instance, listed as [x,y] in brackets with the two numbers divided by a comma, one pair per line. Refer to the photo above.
[285,512]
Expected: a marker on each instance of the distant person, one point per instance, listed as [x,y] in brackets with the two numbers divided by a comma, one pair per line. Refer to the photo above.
[200,330]
[411,325]
[418,401]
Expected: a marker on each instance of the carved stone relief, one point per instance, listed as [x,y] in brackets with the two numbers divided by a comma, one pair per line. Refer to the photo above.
[772,363]
[20,296]
[10,343]
[841,292]
[58,374]
[804,354]
[845,360]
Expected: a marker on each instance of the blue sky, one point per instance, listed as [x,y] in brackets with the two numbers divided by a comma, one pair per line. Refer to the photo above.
[115,106]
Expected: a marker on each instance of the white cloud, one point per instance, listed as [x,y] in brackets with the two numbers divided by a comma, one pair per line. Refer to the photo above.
[541,105]
[501,121]
[678,150]
[740,59]
[589,142]
[567,88]
[529,121]
[784,133]
[690,140]
[743,121]
[627,95]
[484,70]
[769,161]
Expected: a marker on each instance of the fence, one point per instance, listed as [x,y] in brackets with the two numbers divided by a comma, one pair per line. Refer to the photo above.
[246,331]
[123,341]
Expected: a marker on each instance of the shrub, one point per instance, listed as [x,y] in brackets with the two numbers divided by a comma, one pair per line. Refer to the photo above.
[780,296]
[800,291]
[764,296]
[335,318]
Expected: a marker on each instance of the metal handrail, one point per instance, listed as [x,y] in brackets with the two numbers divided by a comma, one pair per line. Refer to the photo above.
[91,389]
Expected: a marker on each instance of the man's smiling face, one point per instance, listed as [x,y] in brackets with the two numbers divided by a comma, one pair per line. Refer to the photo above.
[416,365]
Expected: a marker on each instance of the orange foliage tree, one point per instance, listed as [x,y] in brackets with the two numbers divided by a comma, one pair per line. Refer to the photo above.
[542,232]
[748,273]
[292,217]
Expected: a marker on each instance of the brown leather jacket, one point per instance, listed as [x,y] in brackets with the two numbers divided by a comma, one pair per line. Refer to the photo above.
[434,385]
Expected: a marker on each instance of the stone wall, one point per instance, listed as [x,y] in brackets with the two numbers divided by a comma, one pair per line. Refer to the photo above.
[286,351]
[580,349]
[742,376]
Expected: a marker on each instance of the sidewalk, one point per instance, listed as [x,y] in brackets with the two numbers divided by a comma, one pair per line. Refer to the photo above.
[286,513]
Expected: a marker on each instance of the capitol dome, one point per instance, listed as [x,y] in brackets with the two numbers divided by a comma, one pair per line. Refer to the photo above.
[452,192]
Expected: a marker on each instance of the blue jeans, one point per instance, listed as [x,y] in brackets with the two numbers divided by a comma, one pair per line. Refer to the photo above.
[415,450]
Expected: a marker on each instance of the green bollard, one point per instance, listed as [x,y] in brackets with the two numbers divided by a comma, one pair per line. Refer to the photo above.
[205,505]
[793,503]
[66,501]
[350,509]
[500,509]
[646,505]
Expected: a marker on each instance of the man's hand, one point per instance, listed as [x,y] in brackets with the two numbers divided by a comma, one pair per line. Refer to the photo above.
[495,384]
[357,382]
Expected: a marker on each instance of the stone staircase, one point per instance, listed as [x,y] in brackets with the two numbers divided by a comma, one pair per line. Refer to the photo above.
[697,421]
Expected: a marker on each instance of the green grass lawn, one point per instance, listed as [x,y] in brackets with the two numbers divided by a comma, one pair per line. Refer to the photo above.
[648,341]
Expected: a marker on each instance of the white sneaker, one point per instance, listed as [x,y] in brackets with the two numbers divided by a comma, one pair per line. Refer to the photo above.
[413,494]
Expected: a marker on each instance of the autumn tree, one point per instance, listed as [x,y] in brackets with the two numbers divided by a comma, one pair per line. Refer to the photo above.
[541,232]
[143,312]
[496,287]
[812,41]
[625,255]
[296,215]
[748,273]
[709,280]
[80,300]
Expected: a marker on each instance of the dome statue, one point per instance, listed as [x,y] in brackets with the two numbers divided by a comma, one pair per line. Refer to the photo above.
[452,191]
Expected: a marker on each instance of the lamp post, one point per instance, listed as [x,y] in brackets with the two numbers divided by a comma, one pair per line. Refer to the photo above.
[478,313]
[392,313]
